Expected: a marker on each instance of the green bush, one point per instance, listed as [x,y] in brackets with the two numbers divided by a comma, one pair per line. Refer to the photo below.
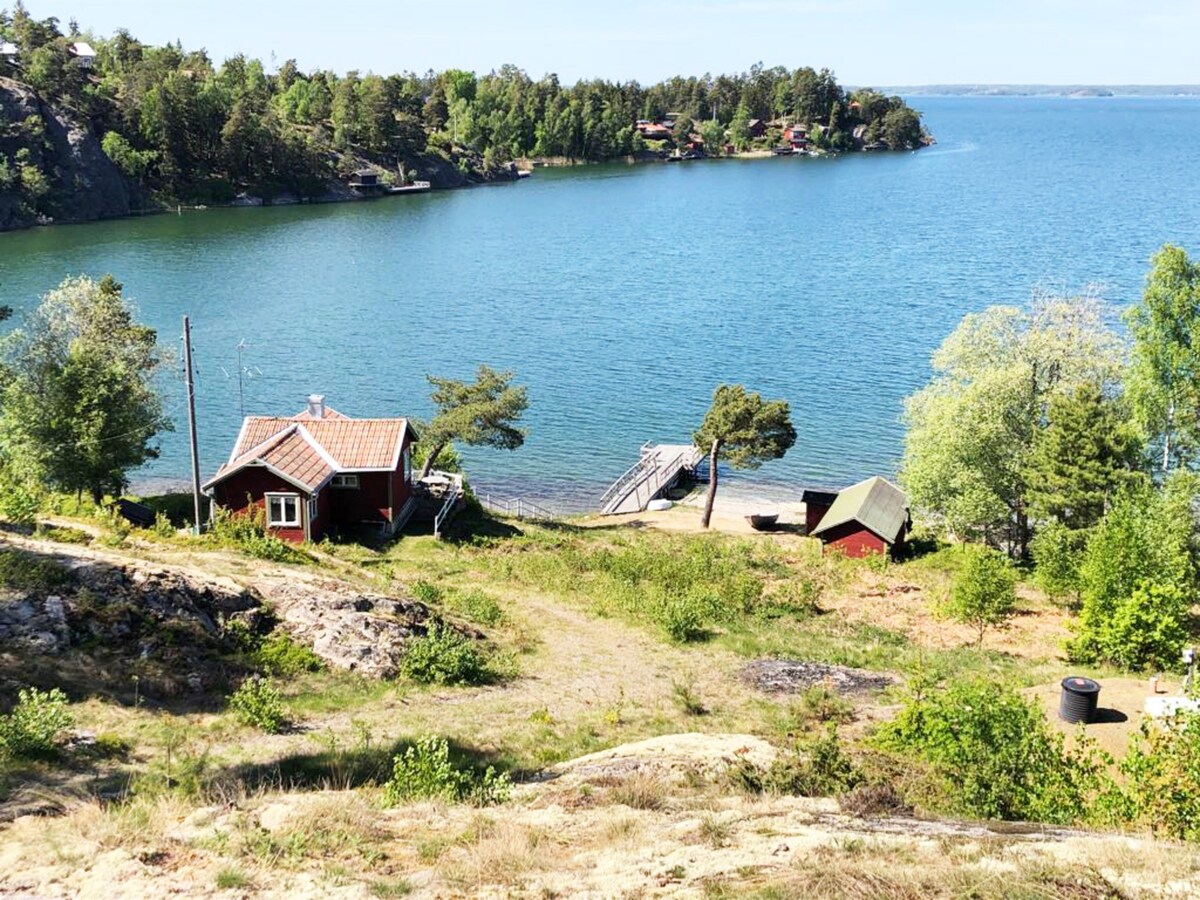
[478,607]
[444,656]
[816,768]
[258,704]
[1057,552]
[425,772]
[984,592]
[992,755]
[20,502]
[32,729]
[428,593]
[1162,779]
[682,618]
[281,655]
[1147,630]
[1146,539]
[28,571]
[248,533]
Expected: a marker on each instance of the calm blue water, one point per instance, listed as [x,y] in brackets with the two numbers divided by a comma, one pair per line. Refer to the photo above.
[622,295]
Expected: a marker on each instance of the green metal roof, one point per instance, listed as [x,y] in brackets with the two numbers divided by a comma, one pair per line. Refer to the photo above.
[875,503]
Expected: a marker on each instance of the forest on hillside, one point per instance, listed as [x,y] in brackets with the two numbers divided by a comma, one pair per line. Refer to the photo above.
[182,128]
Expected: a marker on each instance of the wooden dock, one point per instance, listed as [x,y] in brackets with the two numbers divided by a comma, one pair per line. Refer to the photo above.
[658,468]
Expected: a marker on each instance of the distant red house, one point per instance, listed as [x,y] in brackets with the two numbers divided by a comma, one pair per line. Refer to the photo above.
[317,471]
[796,136]
[866,518]
[654,131]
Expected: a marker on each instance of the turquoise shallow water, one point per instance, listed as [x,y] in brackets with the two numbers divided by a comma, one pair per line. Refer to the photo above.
[624,294]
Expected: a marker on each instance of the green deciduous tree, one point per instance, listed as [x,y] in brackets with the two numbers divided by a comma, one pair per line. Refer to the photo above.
[1164,378]
[484,412]
[712,133]
[745,431]
[80,404]
[984,593]
[971,430]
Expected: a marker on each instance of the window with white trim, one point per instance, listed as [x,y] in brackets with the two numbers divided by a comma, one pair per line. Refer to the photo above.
[313,509]
[345,481]
[283,510]
[406,467]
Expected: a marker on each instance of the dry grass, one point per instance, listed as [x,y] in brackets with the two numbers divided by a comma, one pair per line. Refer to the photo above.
[498,854]
[642,790]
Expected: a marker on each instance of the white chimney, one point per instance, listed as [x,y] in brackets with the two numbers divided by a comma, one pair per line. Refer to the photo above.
[316,406]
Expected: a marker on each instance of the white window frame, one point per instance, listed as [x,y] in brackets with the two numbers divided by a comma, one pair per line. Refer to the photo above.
[406,467]
[314,510]
[346,481]
[282,496]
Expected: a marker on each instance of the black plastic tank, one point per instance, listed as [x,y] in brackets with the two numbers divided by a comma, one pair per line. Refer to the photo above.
[1079,698]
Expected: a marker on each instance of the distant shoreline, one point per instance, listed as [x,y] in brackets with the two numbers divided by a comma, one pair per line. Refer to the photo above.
[1046,90]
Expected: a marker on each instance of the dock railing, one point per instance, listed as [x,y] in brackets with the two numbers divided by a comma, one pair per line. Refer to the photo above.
[517,507]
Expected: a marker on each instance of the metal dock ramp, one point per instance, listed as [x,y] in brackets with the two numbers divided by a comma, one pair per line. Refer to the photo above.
[657,469]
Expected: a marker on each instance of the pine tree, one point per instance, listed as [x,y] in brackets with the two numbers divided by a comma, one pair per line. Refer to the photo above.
[1084,454]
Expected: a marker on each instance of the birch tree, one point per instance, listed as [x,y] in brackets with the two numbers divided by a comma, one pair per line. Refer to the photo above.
[971,429]
[1164,376]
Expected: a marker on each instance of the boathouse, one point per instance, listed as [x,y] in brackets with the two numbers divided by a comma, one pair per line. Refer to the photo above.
[866,518]
[319,471]
[365,180]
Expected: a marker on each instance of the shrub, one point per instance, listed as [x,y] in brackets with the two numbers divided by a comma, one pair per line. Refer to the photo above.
[818,768]
[28,571]
[444,656]
[425,772]
[992,754]
[1145,539]
[798,598]
[248,533]
[258,704]
[32,729]
[428,593]
[682,618]
[1057,552]
[281,655]
[687,699]
[1162,779]
[478,607]
[984,592]
[1148,629]
[20,501]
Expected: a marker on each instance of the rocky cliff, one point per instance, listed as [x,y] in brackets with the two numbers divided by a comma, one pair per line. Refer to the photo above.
[52,168]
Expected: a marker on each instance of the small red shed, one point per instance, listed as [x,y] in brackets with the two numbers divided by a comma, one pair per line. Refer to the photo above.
[319,470]
[869,517]
[816,504]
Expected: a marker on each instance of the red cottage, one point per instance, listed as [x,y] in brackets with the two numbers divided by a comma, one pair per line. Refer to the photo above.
[319,470]
[870,517]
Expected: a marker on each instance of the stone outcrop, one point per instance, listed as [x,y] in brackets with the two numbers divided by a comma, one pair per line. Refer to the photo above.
[83,184]
[172,628]
[360,633]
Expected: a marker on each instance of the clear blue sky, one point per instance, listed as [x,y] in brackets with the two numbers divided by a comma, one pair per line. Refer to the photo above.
[863,41]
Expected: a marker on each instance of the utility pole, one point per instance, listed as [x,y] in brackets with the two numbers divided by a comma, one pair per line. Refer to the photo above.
[191,393]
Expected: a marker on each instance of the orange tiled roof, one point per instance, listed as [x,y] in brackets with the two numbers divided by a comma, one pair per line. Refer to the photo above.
[330,413]
[310,451]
